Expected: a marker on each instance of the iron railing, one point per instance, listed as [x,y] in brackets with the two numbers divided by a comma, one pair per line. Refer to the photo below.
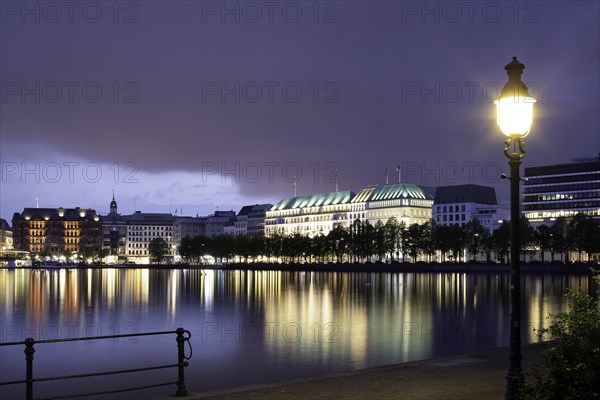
[182,337]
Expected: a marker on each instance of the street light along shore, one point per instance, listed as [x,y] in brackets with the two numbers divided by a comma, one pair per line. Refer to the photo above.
[514,113]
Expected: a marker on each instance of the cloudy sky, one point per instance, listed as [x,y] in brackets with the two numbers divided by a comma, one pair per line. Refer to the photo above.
[205,105]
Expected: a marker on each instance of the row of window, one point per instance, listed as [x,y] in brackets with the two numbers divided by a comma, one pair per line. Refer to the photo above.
[146,240]
[559,179]
[563,206]
[563,196]
[570,187]
[561,213]
[451,218]
[451,208]
[145,234]
[136,245]
[149,228]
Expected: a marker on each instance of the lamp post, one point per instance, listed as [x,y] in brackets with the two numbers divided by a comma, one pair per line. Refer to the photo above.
[514,115]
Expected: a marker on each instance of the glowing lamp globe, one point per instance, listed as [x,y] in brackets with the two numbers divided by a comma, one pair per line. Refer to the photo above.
[514,107]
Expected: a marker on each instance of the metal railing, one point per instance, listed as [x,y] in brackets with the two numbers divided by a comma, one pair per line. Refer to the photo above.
[182,337]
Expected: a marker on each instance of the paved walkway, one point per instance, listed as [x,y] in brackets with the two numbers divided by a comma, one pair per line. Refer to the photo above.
[472,376]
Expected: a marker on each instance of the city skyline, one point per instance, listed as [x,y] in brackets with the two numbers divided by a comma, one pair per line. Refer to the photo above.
[161,103]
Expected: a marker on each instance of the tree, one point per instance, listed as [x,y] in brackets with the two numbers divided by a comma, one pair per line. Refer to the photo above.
[527,236]
[379,241]
[475,236]
[392,237]
[185,248]
[337,242]
[583,235]
[457,241]
[417,237]
[403,243]
[428,246]
[543,239]
[441,239]
[501,241]
[572,362]
[158,248]
[559,240]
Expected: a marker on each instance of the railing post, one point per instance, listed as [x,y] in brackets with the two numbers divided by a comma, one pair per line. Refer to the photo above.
[181,389]
[29,350]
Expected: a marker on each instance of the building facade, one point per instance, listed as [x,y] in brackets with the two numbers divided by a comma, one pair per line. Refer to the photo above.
[250,220]
[255,223]
[188,226]
[6,236]
[458,204]
[142,228]
[407,203]
[58,232]
[319,214]
[215,224]
[114,234]
[562,190]
[309,215]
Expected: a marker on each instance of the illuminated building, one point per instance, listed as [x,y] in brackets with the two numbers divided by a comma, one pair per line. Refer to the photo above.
[114,233]
[142,228]
[58,231]
[250,220]
[458,204]
[407,203]
[309,215]
[321,213]
[562,190]
[6,236]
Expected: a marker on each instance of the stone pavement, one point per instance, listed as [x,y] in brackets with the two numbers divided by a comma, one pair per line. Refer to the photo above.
[471,376]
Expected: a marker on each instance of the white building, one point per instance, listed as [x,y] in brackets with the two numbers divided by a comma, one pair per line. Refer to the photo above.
[405,202]
[215,224]
[249,221]
[142,228]
[321,213]
[6,236]
[188,226]
[458,204]
[309,215]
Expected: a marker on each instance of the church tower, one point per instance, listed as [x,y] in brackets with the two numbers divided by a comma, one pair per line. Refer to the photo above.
[113,204]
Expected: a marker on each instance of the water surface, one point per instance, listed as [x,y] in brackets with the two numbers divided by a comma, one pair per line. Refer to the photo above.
[255,327]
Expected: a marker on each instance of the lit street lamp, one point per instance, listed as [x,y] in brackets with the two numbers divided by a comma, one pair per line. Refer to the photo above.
[514,114]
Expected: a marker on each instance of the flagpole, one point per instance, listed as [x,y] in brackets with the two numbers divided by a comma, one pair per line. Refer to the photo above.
[337,180]
[295,186]
[399,174]
[386,177]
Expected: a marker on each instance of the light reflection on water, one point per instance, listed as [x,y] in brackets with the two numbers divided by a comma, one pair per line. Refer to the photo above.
[258,327]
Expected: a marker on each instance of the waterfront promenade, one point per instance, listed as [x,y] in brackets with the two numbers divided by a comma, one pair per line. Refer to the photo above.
[470,376]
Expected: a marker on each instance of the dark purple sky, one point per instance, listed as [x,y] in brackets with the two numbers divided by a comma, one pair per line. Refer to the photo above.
[177,104]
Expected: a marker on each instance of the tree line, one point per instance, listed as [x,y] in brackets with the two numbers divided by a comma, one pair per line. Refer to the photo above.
[397,242]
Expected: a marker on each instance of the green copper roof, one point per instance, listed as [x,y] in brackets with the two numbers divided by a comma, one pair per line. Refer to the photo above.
[314,200]
[391,192]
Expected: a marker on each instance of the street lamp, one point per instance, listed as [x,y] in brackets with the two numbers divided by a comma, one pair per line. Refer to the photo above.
[514,110]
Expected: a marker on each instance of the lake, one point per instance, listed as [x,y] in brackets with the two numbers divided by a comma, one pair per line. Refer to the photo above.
[251,327]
